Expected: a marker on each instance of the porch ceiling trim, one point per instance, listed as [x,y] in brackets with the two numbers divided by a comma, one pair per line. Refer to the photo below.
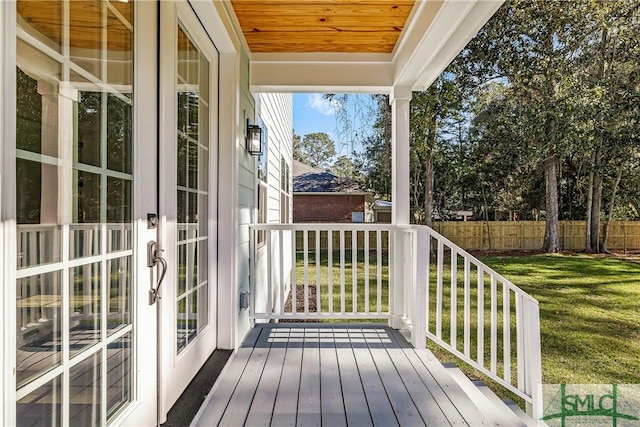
[435,33]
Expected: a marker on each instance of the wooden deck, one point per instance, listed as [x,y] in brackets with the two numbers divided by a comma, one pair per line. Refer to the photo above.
[356,375]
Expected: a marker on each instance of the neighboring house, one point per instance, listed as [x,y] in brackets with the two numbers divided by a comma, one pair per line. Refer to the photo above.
[140,230]
[320,196]
[382,211]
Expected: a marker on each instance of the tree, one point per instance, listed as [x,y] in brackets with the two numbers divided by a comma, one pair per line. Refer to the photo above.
[344,167]
[534,45]
[315,149]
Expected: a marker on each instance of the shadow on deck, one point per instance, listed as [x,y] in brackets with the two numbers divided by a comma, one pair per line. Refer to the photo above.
[338,375]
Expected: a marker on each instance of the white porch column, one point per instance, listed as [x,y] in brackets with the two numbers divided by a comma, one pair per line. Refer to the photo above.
[399,99]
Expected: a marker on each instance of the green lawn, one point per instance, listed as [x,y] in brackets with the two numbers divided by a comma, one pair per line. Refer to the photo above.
[589,307]
[589,317]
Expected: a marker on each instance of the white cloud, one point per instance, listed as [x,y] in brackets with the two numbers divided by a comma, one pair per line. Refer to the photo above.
[318,102]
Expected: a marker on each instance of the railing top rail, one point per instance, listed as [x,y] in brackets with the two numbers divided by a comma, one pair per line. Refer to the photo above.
[475,260]
[322,226]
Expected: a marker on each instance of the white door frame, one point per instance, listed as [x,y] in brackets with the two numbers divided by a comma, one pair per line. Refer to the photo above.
[231,142]
[144,407]
[7,207]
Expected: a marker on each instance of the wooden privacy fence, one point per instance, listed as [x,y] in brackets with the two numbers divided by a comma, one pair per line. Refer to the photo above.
[529,235]
[511,235]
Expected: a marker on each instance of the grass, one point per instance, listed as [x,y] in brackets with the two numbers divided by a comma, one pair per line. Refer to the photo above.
[589,309]
[348,278]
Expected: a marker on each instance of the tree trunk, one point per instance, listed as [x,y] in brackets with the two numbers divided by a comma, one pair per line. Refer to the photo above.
[587,243]
[595,211]
[612,203]
[596,204]
[551,240]
[428,191]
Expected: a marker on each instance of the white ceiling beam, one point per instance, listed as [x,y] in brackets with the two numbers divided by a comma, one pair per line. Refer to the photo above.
[455,25]
[321,77]
[436,32]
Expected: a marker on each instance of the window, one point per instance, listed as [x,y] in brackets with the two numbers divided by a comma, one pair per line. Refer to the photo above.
[262,210]
[285,191]
[262,187]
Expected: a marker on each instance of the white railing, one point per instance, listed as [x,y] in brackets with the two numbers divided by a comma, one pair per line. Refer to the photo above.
[320,271]
[438,290]
[473,312]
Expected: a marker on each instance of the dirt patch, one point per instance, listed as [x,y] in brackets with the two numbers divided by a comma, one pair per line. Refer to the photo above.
[521,252]
[300,303]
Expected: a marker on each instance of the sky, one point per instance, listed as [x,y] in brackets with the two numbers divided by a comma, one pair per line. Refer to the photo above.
[313,113]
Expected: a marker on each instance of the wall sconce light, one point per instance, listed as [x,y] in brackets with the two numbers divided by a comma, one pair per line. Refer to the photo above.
[254,139]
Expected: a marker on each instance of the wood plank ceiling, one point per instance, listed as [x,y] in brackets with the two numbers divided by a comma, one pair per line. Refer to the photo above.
[85,22]
[347,26]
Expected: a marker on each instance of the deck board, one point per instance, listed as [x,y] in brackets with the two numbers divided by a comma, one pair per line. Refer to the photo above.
[240,403]
[336,375]
[309,412]
[379,406]
[333,413]
[423,397]
[399,397]
[216,403]
[355,402]
[264,399]
[286,405]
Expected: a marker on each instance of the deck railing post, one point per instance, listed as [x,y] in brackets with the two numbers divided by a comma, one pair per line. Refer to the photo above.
[397,278]
[252,276]
[419,299]
[533,358]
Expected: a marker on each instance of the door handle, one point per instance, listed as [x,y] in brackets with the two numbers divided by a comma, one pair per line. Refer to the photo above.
[153,259]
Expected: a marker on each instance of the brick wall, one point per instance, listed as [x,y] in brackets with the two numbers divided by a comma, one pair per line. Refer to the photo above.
[326,208]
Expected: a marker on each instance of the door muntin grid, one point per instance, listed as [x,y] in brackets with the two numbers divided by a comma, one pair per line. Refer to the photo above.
[74,180]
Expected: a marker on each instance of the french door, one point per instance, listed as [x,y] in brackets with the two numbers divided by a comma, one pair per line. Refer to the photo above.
[80,175]
[81,185]
[188,197]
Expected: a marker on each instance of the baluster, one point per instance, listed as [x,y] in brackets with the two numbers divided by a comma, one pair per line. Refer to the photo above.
[305,251]
[379,271]
[467,307]
[454,298]
[519,342]
[330,268]
[494,325]
[318,302]
[342,291]
[506,332]
[480,315]
[354,271]
[281,271]
[269,310]
[294,270]
[439,289]
[366,272]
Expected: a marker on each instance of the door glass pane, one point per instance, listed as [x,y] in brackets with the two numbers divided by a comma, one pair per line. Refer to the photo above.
[119,361]
[84,392]
[41,407]
[39,321]
[192,182]
[119,298]
[89,128]
[84,318]
[74,187]
[87,196]
[119,136]
[85,35]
